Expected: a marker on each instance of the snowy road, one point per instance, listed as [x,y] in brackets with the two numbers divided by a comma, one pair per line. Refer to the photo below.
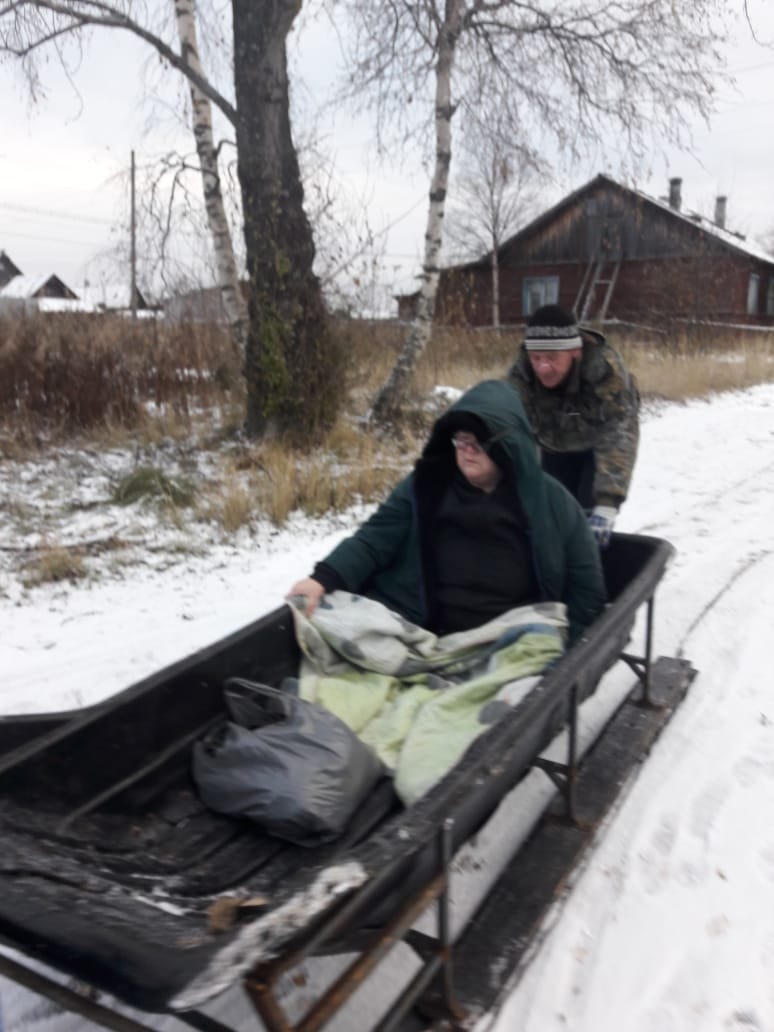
[670,928]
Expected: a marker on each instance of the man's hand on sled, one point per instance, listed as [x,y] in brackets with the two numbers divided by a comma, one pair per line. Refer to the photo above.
[601,521]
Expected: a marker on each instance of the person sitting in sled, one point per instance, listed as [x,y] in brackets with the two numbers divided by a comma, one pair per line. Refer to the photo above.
[583,405]
[475,530]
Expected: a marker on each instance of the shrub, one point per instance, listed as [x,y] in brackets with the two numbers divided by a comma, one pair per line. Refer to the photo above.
[150,482]
[55,563]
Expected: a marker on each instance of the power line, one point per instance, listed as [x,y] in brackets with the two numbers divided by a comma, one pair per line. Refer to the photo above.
[752,68]
[50,239]
[30,210]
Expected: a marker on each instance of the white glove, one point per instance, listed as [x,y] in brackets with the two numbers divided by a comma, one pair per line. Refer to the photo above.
[601,520]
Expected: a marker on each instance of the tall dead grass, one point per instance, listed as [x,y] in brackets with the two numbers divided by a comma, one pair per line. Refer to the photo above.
[679,362]
[74,373]
[272,480]
[697,362]
[100,381]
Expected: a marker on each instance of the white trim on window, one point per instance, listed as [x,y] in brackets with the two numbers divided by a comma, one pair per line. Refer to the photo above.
[537,291]
[753,291]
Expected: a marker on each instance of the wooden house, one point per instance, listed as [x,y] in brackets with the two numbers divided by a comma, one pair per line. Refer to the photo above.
[8,269]
[36,288]
[111,297]
[613,253]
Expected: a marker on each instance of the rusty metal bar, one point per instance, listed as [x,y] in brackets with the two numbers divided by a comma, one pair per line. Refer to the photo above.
[260,992]
[572,752]
[437,951]
[444,924]
[260,985]
[642,665]
[68,998]
[647,699]
[564,775]
[413,991]
[76,1003]
[328,931]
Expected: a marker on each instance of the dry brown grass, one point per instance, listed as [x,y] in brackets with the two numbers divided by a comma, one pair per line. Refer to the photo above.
[54,563]
[94,381]
[231,505]
[348,467]
[454,357]
[695,366]
[68,374]
[678,362]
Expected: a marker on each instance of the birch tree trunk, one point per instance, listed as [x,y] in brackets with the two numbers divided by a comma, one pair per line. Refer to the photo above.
[495,285]
[223,248]
[386,407]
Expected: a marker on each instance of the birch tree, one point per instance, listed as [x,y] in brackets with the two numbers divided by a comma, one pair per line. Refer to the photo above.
[496,192]
[217,220]
[561,72]
[291,361]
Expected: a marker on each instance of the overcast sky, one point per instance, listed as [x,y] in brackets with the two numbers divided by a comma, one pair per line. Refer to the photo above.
[63,162]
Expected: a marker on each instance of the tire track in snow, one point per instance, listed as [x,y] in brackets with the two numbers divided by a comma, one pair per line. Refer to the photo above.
[751,480]
[736,574]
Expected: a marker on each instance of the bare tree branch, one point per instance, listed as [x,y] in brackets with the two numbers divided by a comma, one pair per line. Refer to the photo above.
[28,32]
[292,363]
[569,70]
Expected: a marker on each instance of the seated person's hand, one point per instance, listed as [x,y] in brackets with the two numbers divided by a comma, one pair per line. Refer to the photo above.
[308,589]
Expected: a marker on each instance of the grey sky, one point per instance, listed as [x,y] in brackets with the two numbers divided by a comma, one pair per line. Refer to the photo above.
[64,200]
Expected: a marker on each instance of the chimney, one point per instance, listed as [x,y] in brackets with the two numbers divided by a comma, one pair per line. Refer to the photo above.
[675,198]
[720,211]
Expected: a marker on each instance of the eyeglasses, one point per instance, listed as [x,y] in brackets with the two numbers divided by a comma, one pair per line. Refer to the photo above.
[468,444]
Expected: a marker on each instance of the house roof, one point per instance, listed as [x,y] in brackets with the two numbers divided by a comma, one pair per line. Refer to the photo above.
[699,222]
[8,265]
[29,286]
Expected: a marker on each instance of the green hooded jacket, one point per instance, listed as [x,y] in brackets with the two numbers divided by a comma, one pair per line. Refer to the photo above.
[387,558]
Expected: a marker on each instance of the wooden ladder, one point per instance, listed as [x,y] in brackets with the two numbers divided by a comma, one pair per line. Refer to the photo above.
[605,275]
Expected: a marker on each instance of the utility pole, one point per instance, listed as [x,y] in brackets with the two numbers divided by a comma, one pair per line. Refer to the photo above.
[133,250]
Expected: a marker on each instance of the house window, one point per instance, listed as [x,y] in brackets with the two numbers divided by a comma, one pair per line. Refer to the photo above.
[753,287]
[770,298]
[538,291]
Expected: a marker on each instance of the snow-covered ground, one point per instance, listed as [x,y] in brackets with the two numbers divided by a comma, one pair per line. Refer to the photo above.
[670,927]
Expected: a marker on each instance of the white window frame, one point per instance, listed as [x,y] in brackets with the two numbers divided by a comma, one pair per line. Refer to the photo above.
[753,293]
[537,291]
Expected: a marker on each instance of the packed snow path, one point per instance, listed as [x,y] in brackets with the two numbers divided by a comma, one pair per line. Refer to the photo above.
[670,928]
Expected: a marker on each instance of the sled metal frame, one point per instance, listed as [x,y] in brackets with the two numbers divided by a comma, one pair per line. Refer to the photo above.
[578,673]
[435,951]
[88,1006]
[261,983]
[565,775]
[516,910]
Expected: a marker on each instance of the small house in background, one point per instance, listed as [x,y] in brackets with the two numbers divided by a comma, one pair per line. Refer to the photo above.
[613,253]
[38,287]
[8,269]
[37,293]
[111,297]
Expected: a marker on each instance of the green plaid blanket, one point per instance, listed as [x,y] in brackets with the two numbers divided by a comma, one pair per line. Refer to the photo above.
[417,699]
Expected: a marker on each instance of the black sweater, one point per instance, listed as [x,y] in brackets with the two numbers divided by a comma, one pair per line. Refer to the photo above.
[481,564]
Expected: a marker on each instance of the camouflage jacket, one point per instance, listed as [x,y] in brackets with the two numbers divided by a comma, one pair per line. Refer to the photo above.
[597,409]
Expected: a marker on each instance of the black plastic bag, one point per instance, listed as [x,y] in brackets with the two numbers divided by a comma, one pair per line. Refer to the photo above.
[287,764]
